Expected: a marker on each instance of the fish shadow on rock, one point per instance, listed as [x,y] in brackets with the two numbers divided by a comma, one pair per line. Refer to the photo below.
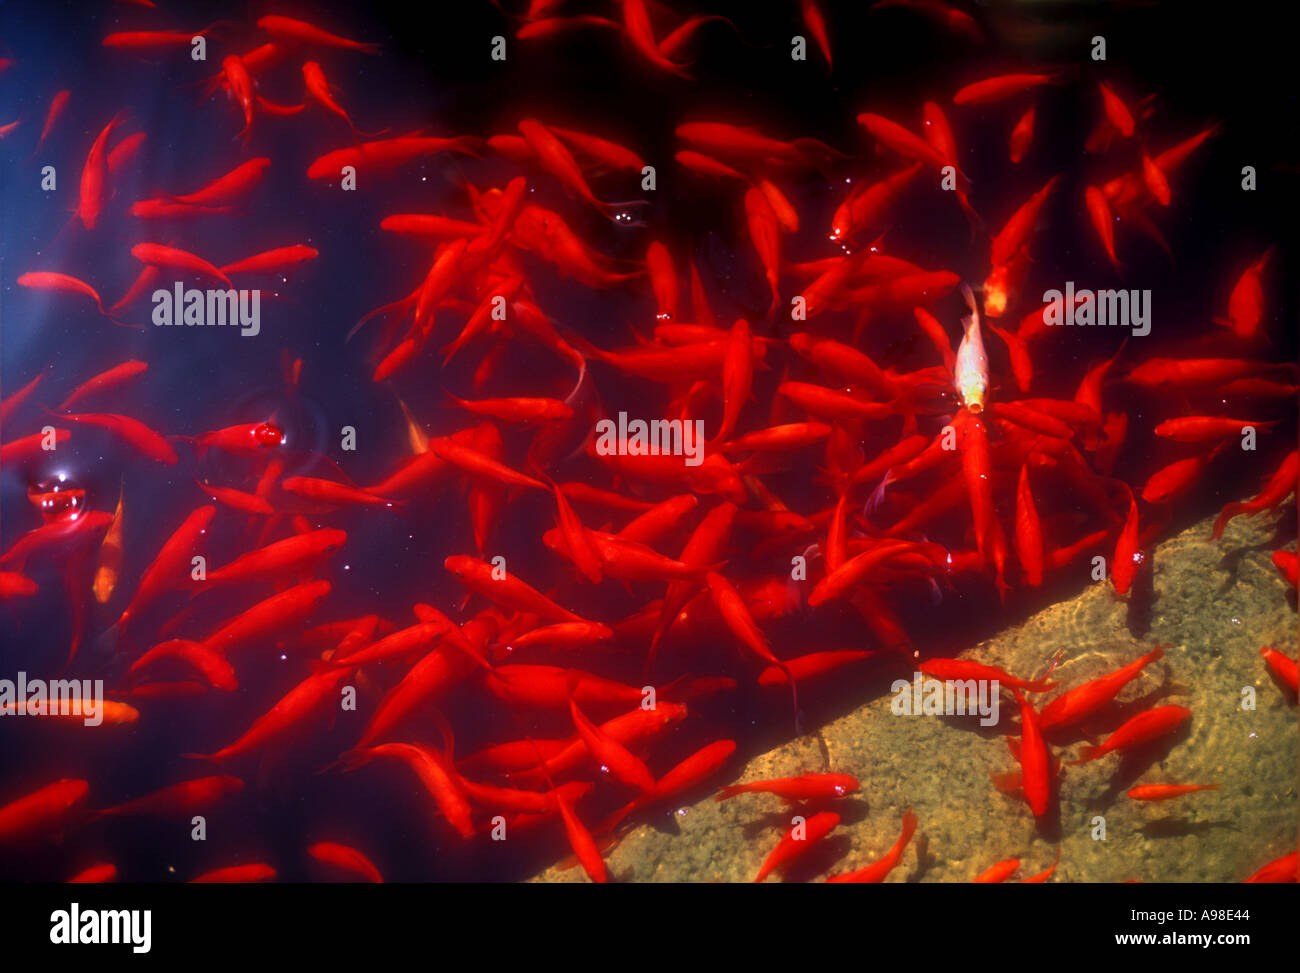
[1138,761]
[1142,600]
[1049,825]
[1231,560]
[819,859]
[851,811]
[923,858]
[664,822]
[1287,692]
[1172,827]
[1284,530]
[972,723]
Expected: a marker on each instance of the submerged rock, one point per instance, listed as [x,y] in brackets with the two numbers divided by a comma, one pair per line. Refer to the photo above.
[1213,605]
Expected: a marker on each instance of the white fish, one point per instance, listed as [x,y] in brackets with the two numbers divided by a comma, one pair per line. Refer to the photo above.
[971,369]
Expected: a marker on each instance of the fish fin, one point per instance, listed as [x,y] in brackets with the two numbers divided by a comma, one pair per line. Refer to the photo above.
[1008,783]
[730,791]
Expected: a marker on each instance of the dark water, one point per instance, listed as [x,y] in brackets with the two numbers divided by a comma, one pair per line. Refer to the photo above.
[435,75]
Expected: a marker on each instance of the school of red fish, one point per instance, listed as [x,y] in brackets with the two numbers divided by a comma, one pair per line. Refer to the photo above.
[926,479]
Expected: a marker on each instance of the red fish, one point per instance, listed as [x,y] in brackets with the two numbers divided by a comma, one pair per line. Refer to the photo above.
[133,432]
[1000,872]
[112,378]
[1102,222]
[1029,532]
[50,281]
[1165,792]
[878,870]
[1035,759]
[230,187]
[1205,429]
[42,811]
[1284,668]
[280,611]
[584,846]
[1077,704]
[1021,136]
[371,157]
[1246,304]
[609,753]
[1286,564]
[179,800]
[1141,729]
[272,261]
[346,859]
[1117,112]
[1177,478]
[1283,869]
[1128,558]
[312,694]
[995,89]
[1279,486]
[798,842]
[280,559]
[171,565]
[57,104]
[964,669]
[164,256]
[807,787]
[288,29]
[637,26]
[688,774]
[94,176]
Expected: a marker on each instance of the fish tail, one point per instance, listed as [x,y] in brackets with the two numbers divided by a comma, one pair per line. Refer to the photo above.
[818,154]
[1086,754]
[730,791]
[1229,511]
[350,760]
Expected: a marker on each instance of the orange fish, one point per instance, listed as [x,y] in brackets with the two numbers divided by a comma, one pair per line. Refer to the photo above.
[346,859]
[1082,701]
[1284,668]
[807,787]
[312,694]
[1102,221]
[963,669]
[44,810]
[1000,872]
[1246,303]
[133,432]
[1135,732]
[877,871]
[179,800]
[1021,136]
[1128,558]
[1165,792]
[798,841]
[1286,564]
[1035,759]
[50,281]
[1002,86]
[288,29]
